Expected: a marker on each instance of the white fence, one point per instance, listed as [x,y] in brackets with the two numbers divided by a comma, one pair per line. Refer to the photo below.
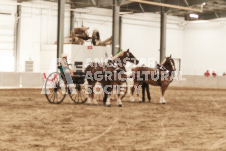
[35,80]
[20,80]
[201,81]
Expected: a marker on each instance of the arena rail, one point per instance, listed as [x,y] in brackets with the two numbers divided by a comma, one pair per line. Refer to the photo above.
[201,81]
[36,80]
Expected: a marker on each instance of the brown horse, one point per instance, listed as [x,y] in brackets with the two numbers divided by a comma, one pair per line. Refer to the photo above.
[162,77]
[109,75]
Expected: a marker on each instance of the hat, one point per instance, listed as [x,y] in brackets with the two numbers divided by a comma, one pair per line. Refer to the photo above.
[64,55]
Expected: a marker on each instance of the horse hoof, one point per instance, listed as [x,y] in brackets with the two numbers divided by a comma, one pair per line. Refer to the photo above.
[109,105]
[163,103]
[141,102]
[120,105]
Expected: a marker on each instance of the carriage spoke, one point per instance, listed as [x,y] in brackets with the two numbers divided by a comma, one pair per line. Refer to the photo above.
[83,96]
[54,97]
[60,92]
[78,96]
[52,94]
[55,89]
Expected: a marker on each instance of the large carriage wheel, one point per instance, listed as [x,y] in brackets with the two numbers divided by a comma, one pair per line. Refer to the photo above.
[78,94]
[55,88]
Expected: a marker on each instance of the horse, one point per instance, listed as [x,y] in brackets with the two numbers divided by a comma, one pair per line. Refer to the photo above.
[111,73]
[162,77]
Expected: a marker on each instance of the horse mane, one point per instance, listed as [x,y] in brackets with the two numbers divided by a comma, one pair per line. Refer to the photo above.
[118,55]
[164,61]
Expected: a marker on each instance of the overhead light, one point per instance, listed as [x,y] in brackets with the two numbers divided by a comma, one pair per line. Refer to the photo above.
[204,3]
[124,13]
[194,16]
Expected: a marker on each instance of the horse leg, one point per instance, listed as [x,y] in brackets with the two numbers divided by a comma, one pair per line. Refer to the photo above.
[108,102]
[132,91]
[105,95]
[119,100]
[148,93]
[94,96]
[143,91]
[163,87]
[91,94]
[137,92]
[105,98]
[89,101]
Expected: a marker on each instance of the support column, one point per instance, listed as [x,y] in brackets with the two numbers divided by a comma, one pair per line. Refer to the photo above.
[163,35]
[17,38]
[72,16]
[115,27]
[120,32]
[60,27]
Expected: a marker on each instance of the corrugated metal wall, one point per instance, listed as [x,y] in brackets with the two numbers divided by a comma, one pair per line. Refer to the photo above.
[204,47]
[7,37]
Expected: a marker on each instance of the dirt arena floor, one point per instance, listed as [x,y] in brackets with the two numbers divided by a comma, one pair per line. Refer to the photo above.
[193,120]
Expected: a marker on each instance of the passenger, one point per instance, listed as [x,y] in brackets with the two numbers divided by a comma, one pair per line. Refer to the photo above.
[224,74]
[65,65]
[207,73]
[67,72]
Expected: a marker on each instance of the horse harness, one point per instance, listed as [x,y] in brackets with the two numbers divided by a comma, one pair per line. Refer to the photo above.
[166,71]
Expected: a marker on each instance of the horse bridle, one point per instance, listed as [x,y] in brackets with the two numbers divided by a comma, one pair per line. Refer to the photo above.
[172,64]
[161,67]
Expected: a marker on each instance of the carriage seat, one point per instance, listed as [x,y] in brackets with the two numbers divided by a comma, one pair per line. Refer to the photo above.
[78,76]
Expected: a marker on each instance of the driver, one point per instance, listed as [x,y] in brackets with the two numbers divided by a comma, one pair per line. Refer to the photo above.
[67,72]
[65,65]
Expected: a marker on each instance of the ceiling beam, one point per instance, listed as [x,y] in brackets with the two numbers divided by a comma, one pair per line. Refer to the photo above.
[213,15]
[137,9]
[195,2]
[166,5]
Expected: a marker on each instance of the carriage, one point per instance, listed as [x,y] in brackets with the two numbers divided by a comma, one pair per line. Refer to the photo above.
[56,87]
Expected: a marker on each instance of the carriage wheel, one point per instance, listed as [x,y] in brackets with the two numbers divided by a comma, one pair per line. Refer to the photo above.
[78,94]
[55,88]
